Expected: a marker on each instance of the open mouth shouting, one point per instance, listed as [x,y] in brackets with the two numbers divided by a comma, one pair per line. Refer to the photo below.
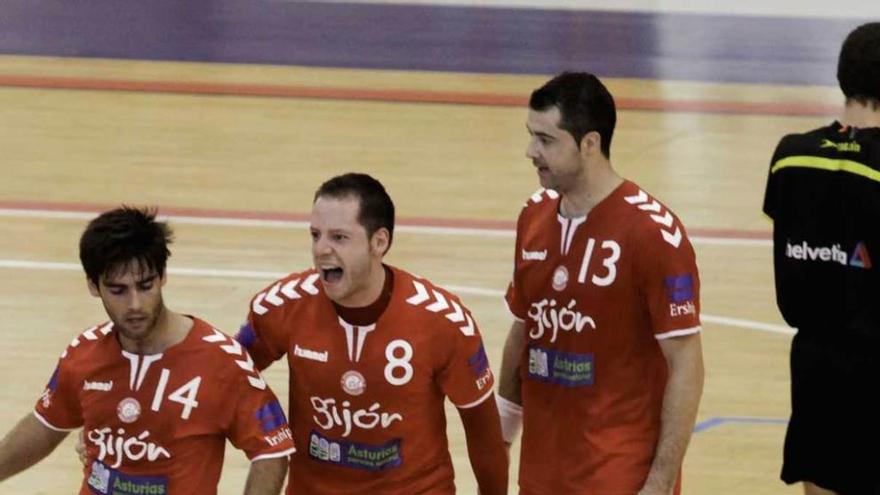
[331,274]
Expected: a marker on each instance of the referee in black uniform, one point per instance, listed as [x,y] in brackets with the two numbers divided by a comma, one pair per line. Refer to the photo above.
[823,195]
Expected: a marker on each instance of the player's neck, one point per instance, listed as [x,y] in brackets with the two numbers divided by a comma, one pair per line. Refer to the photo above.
[598,181]
[171,329]
[371,291]
[861,116]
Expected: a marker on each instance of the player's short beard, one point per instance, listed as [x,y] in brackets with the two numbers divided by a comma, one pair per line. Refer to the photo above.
[150,327]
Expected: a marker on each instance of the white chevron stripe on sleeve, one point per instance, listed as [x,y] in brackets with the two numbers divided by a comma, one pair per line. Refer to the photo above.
[257,305]
[439,305]
[308,284]
[272,296]
[639,198]
[216,337]
[665,220]
[672,238]
[257,382]
[652,206]
[468,330]
[420,296]
[232,348]
[458,315]
[289,289]
[247,364]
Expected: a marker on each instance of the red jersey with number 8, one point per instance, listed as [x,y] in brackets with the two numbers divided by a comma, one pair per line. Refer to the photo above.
[367,402]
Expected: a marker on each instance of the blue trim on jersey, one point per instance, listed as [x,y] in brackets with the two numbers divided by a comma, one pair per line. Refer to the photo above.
[246,335]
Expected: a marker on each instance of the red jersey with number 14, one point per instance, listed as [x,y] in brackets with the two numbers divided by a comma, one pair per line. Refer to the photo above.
[158,423]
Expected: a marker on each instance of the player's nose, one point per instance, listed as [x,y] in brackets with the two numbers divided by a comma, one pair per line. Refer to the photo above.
[531,150]
[321,247]
[135,300]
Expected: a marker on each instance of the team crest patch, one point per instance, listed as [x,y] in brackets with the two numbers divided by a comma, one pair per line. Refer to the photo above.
[353,382]
[128,410]
[560,278]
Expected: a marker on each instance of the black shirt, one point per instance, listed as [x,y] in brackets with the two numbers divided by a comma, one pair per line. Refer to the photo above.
[823,194]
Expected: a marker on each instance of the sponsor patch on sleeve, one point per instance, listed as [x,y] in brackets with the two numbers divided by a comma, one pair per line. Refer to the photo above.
[104,480]
[53,381]
[271,417]
[355,455]
[679,288]
[479,365]
[562,368]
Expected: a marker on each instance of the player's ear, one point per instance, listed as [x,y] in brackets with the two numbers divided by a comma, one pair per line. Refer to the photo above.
[381,241]
[93,289]
[591,144]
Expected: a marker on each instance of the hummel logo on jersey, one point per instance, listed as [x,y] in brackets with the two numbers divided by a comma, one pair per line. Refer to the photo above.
[100,386]
[851,147]
[534,255]
[804,252]
[309,354]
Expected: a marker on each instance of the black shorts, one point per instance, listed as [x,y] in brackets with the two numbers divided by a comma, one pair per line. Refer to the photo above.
[833,437]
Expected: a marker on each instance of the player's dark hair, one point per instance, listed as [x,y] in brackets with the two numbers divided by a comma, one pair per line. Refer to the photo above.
[858,69]
[584,104]
[119,237]
[376,207]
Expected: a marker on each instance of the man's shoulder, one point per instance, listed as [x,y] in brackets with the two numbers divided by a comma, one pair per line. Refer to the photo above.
[287,292]
[89,345]
[437,306]
[824,140]
[222,354]
[646,219]
[541,201]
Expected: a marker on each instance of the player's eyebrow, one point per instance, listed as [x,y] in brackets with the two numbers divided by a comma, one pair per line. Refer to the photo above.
[539,133]
[148,279]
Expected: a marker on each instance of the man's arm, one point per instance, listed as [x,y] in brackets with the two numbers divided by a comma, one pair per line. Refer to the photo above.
[684,356]
[486,449]
[27,444]
[510,383]
[266,476]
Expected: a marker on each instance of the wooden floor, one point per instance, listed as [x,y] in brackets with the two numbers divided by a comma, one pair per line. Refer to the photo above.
[463,163]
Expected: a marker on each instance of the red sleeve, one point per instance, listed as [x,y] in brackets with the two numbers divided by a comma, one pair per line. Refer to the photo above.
[259,426]
[466,378]
[59,407]
[262,339]
[514,297]
[667,267]
[265,334]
